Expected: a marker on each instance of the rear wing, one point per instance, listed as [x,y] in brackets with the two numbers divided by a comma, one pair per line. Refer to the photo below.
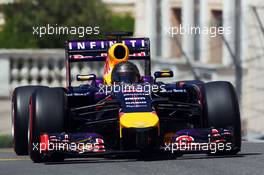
[96,50]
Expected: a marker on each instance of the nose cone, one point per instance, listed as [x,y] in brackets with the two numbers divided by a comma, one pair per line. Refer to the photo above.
[139,120]
[139,130]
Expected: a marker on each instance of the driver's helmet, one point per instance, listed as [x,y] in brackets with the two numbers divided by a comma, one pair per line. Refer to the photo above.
[125,72]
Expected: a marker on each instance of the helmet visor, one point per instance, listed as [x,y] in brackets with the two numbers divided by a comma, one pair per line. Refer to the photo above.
[126,77]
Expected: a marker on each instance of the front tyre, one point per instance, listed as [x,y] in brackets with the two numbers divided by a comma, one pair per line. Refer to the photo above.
[47,114]
[222,110]
[20,117]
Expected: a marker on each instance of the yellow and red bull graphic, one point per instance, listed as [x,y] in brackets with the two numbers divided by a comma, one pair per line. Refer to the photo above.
[117,53]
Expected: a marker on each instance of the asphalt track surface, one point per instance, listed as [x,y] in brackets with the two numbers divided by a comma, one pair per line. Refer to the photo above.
[249,161]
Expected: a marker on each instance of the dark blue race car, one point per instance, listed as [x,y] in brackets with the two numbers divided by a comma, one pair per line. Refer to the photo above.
[122,111]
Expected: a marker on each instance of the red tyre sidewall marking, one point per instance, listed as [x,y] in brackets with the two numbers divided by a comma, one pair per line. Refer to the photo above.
[14,121]
[30,123]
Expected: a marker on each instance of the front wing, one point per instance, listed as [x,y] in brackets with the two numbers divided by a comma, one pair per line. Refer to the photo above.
[89,144]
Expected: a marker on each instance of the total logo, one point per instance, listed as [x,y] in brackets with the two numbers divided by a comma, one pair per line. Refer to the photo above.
[184,139]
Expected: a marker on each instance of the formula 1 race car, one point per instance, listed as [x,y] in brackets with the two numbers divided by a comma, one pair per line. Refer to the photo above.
[123,112]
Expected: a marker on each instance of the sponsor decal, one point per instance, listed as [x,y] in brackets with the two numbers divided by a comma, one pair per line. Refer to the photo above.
[104,44]
[184,139]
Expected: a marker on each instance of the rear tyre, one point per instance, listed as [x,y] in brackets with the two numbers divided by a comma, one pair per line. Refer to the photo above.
[47,114]
[222,110]
[20,117]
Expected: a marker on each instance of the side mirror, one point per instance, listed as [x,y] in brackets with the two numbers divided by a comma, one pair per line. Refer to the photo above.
[163,74]
[87,77]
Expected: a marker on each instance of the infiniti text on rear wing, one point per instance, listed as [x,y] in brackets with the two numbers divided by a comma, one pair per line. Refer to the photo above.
[96,50]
